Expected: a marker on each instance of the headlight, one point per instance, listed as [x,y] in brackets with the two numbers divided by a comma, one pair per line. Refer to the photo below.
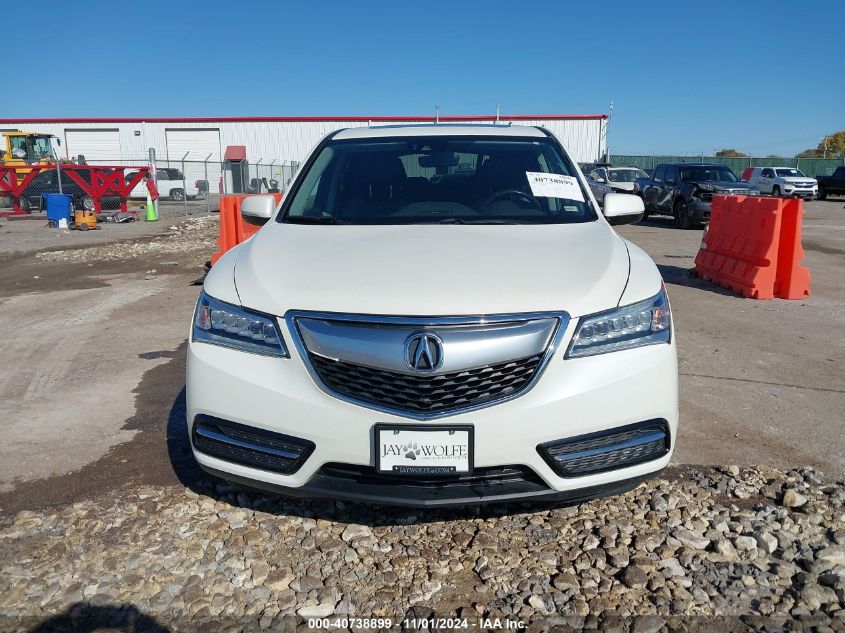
[228,325]
[645,323]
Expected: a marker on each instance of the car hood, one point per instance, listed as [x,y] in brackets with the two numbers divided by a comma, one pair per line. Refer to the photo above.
[425,270]
[724,185]
[797,180]
[627,186]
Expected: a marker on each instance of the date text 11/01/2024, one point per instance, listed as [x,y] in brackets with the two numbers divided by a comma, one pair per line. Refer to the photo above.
[432,623]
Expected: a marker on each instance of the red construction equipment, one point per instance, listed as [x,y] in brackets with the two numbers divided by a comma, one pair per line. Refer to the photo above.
[233,229]
[753,246]
[95,180]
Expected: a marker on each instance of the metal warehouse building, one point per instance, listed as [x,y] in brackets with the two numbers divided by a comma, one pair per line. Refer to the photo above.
[268,140]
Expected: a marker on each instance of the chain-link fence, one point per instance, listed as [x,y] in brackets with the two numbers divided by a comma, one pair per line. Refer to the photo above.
[190,185]
[811,167]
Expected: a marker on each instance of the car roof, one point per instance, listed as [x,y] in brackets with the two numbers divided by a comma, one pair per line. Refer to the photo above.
[439,129]
[696,164]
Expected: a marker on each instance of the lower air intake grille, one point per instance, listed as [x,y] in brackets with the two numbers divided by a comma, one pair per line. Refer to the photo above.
[426,394]
[249,446]
[608,450]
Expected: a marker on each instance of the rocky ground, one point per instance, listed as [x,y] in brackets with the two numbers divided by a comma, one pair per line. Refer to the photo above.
[195,236]
[728,549]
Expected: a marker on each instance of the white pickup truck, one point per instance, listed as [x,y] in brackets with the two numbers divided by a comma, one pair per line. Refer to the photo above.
[783,181]
[170,185]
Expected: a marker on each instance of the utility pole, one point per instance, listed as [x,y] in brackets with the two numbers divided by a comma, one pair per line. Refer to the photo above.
[607,132]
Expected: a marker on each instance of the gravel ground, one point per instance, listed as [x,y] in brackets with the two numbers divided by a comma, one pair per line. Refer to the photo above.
[195,236]
[754,548]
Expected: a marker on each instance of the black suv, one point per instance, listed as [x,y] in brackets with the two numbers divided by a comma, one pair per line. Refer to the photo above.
[685,190]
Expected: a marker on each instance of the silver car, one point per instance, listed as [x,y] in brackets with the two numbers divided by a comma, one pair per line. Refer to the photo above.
[604,180]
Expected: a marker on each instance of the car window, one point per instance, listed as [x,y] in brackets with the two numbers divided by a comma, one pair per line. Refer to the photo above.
[625,175]
[671,173]
[767,173]
[659,172]
[790,173]
[707,174]
[424,180]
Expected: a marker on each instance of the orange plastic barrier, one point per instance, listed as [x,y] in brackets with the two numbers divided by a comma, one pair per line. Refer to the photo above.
[233,229]
[753,247]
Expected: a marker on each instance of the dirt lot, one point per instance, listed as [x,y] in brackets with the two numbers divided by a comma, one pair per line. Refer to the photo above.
[92,392]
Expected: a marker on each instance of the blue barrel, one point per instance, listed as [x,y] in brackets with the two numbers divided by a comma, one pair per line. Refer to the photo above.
[58,207]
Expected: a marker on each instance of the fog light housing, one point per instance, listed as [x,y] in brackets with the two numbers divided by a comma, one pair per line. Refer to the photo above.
[616,448]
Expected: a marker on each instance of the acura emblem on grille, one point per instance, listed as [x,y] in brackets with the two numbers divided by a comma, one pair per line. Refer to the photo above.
[423,352]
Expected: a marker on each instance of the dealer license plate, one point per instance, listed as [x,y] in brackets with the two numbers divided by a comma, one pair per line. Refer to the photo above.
[423,450]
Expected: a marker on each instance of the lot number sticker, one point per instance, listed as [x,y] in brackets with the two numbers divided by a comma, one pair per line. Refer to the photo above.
[554,186]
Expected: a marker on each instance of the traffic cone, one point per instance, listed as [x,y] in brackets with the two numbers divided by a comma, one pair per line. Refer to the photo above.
[151,210]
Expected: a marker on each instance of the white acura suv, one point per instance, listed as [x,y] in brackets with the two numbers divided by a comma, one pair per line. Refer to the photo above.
[435,315]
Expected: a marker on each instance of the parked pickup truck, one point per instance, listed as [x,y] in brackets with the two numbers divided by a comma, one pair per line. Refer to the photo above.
[685,190]
[832,185]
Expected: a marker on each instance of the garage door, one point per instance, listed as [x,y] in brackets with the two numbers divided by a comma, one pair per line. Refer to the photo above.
[198,144]
[98,146]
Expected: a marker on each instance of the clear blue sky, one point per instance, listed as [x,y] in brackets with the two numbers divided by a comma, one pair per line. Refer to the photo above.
[764,77]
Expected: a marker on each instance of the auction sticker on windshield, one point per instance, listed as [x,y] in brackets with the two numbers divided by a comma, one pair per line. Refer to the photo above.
[423,450]
[554,186]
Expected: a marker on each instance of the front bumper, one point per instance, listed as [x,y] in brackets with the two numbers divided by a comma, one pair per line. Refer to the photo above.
[699,210]
[807,194]
[572,397]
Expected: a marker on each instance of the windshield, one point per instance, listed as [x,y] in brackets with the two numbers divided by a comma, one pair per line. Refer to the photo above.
[625,175]
[708,174]
[452,180]
[41,147]
[790,173]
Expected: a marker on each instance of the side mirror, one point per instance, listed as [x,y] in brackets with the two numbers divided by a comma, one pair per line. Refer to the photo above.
[623,208]
[600,180]
[258,209]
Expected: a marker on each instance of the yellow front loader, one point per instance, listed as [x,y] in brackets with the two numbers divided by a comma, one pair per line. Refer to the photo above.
[26,148]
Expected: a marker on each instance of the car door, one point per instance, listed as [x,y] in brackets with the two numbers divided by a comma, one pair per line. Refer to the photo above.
[766,180]
[164,182]
[596,185]
[650,191]
[666,197]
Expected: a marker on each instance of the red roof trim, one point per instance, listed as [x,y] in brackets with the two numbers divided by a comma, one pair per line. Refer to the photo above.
[318,119]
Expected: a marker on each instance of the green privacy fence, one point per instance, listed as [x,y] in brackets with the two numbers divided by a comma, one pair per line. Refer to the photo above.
[810,166]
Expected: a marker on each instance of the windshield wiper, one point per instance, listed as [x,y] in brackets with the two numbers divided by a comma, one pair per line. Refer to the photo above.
[476,221]
[305,219]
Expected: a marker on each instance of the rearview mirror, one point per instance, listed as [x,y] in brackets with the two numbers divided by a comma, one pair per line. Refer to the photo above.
[623,208]
[439,160]
[258,209]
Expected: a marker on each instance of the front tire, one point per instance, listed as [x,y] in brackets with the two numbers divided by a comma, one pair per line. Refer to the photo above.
[25,205]
[177,195]
[775,192]
[681,213]
[822,194]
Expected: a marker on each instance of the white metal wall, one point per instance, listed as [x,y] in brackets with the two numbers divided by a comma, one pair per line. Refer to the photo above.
[291,140]
[99,146]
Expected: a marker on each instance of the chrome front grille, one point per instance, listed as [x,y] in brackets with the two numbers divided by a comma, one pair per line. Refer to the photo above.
[444,393]
[426,367]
